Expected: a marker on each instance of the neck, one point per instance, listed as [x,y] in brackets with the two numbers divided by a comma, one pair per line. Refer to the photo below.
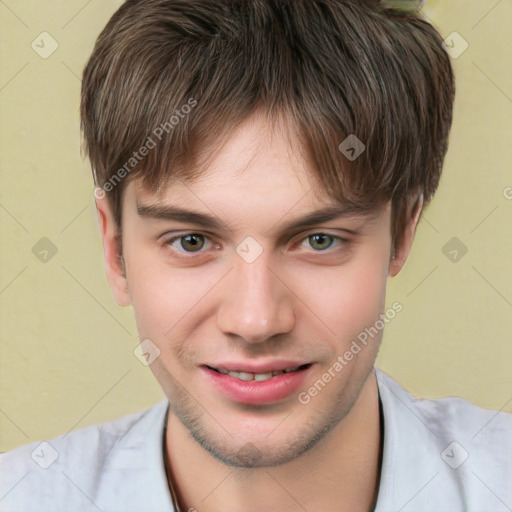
[341,472]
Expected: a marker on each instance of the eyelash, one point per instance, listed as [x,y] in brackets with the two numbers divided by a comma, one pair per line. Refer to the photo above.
[343,242]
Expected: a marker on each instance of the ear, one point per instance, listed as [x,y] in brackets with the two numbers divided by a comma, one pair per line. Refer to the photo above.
[402,252]
[113,254]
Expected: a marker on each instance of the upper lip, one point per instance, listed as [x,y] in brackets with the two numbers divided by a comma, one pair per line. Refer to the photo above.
[257,367]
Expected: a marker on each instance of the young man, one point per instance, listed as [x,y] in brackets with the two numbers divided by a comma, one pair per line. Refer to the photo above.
[261,167]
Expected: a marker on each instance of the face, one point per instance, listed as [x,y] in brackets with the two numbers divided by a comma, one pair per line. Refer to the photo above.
[247,286]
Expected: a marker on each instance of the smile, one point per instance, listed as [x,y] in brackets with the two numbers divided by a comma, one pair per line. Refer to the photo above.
[261,384]
[259,377]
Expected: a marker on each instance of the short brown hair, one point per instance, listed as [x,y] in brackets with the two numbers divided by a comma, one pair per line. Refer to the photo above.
[334,67]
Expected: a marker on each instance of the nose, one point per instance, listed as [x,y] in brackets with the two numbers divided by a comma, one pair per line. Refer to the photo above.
[255,302]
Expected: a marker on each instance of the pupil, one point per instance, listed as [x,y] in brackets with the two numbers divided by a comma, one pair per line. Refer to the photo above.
[192,241]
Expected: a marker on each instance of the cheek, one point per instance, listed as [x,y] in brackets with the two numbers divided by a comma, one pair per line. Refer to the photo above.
[350,297]
[156,295]
[165,300]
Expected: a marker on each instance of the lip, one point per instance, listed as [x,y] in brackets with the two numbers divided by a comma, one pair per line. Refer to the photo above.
[260,367]
[276,388]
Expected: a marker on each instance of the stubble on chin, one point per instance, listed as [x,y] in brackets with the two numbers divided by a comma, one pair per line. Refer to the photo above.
[278,447]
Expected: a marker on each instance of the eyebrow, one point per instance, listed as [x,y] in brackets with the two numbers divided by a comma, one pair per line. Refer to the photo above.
[326,214]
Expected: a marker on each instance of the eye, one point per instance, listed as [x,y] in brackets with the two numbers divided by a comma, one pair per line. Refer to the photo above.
[320,241]
[189,243]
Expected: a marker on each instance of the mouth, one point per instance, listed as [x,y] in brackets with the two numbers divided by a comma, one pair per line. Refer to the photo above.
[264,383]
[260,376]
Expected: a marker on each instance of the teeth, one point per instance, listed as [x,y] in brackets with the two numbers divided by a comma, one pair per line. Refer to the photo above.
[242,375]
[259,377]
[262,376]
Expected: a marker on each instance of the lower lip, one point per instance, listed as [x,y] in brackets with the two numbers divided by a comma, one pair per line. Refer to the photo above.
[257,392]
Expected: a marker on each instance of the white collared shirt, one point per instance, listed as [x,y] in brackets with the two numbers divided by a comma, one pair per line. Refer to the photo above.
[444,455]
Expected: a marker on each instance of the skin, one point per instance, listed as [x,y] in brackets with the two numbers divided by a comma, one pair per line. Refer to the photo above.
[300,300]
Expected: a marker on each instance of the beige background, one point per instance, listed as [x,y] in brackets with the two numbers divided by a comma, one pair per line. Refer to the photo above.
[66,347]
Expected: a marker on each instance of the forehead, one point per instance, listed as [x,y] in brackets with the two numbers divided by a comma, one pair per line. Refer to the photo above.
[260,153]
[258,160]
[260,169]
